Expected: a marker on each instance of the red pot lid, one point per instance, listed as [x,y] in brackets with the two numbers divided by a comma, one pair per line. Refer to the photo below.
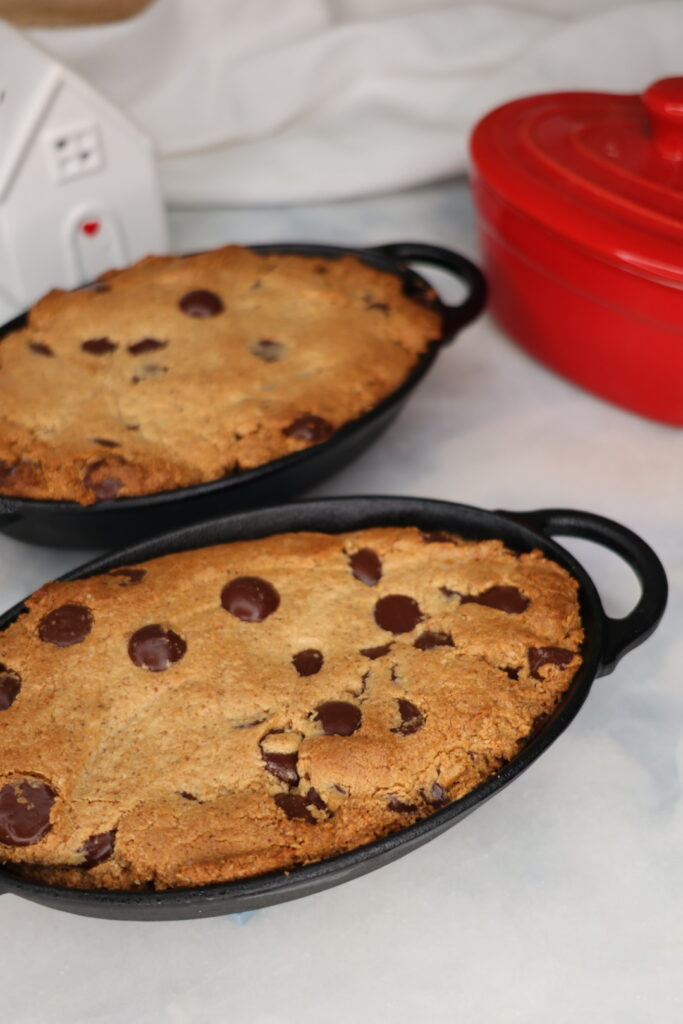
[605,171]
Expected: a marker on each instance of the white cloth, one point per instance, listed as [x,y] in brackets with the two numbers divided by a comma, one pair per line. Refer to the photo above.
[266,101]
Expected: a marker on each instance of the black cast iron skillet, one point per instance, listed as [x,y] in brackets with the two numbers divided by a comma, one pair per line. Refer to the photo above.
[125,520]
[606,641]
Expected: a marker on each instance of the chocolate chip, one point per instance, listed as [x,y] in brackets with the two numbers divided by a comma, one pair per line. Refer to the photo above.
[504,599]
[201,303]
[547,656]
[106,443]
[394,804]
[99,346]
[447,592]
[69,624]
[436,796]
[25,812]
[282,766]
[155,648]
[397,613]
[295,807]
[412,718]
[308,662]
[267,350]
[314,799]
[188,796]
[366,566]
[250,598]
[338,717]
[97,848]
[375,652]
[439,537]
[427,640]
[512,673]
[128,576]
[146,345]
[309,428]
[10,684]
[104,488]
[40,348]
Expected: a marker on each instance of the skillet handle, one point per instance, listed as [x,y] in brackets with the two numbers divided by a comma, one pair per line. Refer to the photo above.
[621,635]
[454,317]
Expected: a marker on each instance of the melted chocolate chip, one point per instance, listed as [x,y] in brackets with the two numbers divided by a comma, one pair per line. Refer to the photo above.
[25,812]
[436,796]
[447,592]
[308,662]
[201,303]
[366,566]
[282,766]
[309,428]
[547,656]
[512,673]
[394,804]
[69,624]
[40,348]
[146,345]
[375,652]
[10,684]
[99,346]
[338,717]
[104,488]
[267,350]
[128,576]
[427,640]
[439,537]
[504,599]
[412,718]
[106,443]
[397,613]
[250,598]
[295,807]
[188,796]
[314,799]
[155,648]
[97,848]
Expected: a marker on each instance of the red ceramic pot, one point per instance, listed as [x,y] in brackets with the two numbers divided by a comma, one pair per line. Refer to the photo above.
[580,201]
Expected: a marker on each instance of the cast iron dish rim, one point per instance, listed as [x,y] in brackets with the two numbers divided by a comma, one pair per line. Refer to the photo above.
[606,641]
[389,258]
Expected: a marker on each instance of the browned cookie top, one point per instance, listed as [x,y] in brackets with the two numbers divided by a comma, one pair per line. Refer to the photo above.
[180,370]
[236,709]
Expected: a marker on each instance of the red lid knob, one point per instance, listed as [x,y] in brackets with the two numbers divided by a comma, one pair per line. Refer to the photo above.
[664,102]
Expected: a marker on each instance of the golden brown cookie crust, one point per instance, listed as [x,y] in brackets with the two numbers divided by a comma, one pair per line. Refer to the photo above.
[171,391]
[240,754]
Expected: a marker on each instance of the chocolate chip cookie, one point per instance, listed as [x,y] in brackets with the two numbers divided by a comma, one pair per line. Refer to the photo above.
[219,713]
[183,370]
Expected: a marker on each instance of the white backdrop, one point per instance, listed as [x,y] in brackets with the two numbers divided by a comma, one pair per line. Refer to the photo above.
[263,101]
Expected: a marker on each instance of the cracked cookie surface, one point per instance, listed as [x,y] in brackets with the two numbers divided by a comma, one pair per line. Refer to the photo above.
[218,713]
[183,370]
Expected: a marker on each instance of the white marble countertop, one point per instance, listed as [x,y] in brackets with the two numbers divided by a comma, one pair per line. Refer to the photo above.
[560,900]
